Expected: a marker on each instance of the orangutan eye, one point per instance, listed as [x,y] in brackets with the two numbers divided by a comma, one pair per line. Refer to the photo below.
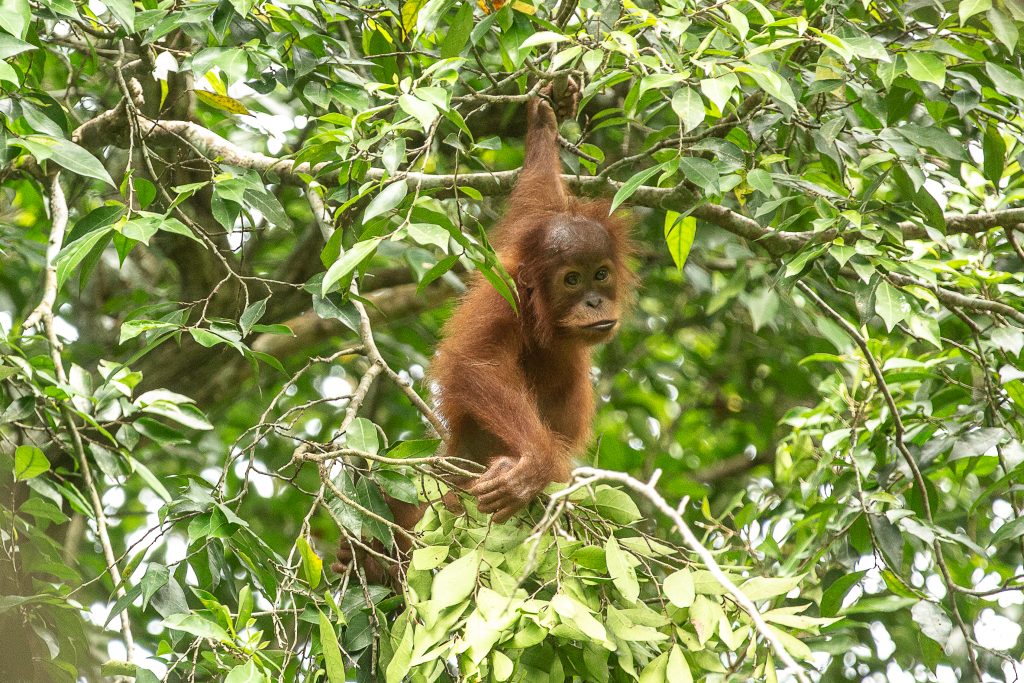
[601,274]
[572,279]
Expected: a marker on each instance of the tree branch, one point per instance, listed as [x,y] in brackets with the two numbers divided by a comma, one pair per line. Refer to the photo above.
[43,313]
[679,198]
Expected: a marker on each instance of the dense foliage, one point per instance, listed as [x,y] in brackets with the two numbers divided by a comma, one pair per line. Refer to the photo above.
[229,234]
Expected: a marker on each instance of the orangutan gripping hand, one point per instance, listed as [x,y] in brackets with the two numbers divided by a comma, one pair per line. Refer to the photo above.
[513,389]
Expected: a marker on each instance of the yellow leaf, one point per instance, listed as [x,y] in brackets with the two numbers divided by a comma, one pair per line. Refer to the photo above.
[216,84]
[222,102]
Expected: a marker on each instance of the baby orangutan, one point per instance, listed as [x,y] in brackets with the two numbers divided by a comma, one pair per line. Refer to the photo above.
[515,390]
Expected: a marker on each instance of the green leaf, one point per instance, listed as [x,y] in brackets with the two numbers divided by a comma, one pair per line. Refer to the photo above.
[361,435]
[72,255]
[456,581]
[29,463]
[689,107]
[621,570]
[701,173]
[763,587]
[243,7]
[968,8]
[738,21]
[761,180]
[994,150]
[422,111]
[67,154]
[679,233]
[656,670]
[719,90]
[390,197]
[124,11]
[245,673]
[251,315]
[415,448]
[10,46]
[458,32]
[332,651]
[1006,82]
[616,505]
[933,138]
[268,205]
[348,262]
[543,38]
[631,186]
[679,588]
[312,565]
[245,603]
[933,621]
[891,304]
[430,557]
[15,16]
[1009,531]
[832,598]
[678,670]
[926,67]
[1004,29]
[197,626]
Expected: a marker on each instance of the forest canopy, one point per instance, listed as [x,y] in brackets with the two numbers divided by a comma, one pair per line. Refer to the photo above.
[230,233]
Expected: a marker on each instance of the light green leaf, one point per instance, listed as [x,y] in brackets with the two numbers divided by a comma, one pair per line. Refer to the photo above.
[891,304]
[124,11]
[679,588]
[689,107]
[679,233]
[455,582]
[430,557]
[926,67]
[502,666]
[422,111]
[347,263]
[678,670]
[738,20]
[720,89]
[1004,28]
[656,670]
[332,651]
[312,565]
[197,626]
[763,587]
[15,16]
[10,46]
[390,197]
[968,8]
[1006,82]
[362,436]
[616,505]
[631,186]
[245,673]
[543,38]
[29,463]
[67,154]
[621,570]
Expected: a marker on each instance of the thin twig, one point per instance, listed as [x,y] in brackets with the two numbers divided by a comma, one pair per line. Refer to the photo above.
[585,476]
[44,313]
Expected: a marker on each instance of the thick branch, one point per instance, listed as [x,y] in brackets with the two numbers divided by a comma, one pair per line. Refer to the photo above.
[677,198]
